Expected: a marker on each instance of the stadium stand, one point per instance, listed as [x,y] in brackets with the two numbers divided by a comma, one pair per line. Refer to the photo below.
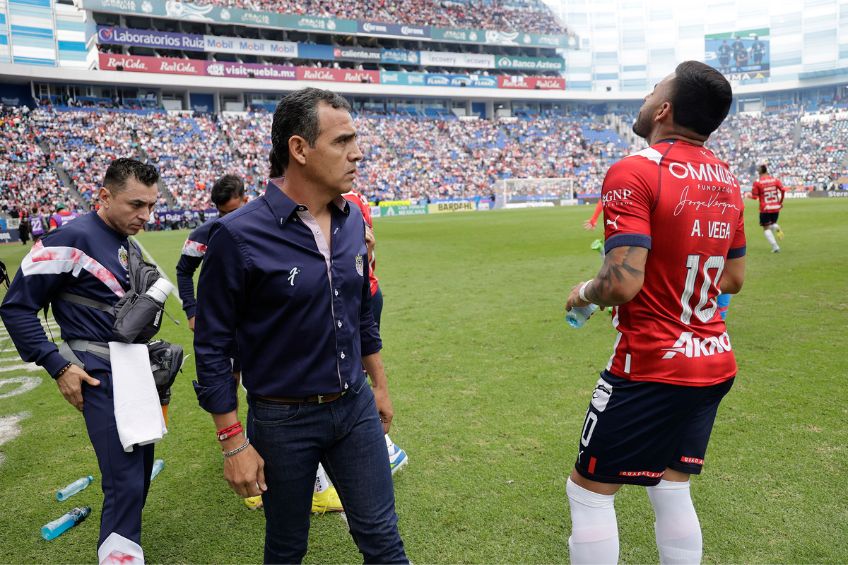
[423,158]
[26,178]
[502,15]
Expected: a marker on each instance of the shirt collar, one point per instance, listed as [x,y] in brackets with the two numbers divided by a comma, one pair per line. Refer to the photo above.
[283,207]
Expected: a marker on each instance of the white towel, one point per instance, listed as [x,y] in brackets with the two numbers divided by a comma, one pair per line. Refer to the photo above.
[118,550]
[138,413]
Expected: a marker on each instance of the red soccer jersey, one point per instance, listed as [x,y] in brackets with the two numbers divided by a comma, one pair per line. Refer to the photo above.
[362,202]
[682,203]
[770,192]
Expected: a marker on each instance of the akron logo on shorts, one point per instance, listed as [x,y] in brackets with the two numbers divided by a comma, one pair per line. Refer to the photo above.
[360,265]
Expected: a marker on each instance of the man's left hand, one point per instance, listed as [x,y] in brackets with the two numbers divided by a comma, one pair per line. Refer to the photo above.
[384,407]
[574,299]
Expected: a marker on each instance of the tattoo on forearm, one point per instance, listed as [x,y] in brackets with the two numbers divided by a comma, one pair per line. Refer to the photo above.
[611,274]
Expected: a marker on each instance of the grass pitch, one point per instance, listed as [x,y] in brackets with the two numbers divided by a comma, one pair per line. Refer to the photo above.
[490,387]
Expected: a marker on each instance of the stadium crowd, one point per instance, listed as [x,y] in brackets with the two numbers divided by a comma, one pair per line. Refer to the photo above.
[804,150]
[501,15]
[406,158]
[27,180]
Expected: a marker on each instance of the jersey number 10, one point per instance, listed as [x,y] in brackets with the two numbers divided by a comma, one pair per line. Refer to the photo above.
[715,264]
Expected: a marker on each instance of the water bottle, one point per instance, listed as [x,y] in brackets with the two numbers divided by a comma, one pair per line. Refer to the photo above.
[73,488]
[158,465]
[160,290]
[578,315]
[58,526]
[723,302]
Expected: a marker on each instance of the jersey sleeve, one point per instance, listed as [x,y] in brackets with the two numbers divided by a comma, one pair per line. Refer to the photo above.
[628,200]
[738,243]
[190,259]
[755,190]
[36,283]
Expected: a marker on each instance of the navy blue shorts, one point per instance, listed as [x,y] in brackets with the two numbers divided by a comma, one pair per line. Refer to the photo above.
[634,430]
[768,218]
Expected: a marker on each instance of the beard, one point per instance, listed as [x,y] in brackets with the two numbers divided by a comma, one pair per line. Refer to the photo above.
[641,127]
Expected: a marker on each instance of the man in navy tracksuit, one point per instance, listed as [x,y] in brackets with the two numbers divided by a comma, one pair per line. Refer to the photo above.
[227,196]
[88,258]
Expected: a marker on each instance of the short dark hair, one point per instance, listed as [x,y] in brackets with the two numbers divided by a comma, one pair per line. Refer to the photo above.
[120,170]
[276,168]
[701,98]
[762,169]
[297,114]
[226,188]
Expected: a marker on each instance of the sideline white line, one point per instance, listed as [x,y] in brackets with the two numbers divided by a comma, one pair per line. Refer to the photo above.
[25,367]
[150,258]
[24,384]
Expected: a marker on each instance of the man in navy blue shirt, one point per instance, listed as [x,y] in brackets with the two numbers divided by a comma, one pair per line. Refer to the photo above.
[227,196]
[285,282]
[88,258]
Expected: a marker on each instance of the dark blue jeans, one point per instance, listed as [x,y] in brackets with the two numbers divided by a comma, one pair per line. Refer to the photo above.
[346,436]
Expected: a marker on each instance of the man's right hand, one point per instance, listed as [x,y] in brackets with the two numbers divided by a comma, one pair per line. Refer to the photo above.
[70,385]
[191,323]
[245,472]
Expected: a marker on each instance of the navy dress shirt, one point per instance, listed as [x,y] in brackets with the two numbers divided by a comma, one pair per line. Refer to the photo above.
[299,316]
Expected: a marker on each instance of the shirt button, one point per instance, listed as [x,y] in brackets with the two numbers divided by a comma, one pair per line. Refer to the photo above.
[337,292]
[345,386]
[342,355]
[340,323]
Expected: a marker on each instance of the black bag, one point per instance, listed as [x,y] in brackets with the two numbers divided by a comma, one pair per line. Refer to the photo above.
[137,316]
[166,360]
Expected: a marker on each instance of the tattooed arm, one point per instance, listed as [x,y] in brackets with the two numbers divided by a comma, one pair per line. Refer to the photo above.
[618,281]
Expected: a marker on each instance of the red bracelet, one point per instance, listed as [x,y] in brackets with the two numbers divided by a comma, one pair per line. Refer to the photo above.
[230,431]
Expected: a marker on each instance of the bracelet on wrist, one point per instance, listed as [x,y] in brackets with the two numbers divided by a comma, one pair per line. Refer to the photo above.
[230,431]
[582,292]
[239,449]
[63,370]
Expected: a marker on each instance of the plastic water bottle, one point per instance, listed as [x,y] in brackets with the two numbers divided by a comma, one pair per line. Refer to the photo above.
[158,465]
[723,301]
[160,290]
[60,525]
[578,315]
[73,488]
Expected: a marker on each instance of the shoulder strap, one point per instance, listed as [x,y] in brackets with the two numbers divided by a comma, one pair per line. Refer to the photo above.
[83,301]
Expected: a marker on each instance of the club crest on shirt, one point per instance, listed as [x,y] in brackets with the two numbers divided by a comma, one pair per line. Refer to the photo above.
[123,257]
[360,265]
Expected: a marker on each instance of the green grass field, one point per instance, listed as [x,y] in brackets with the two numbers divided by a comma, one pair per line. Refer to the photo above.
[490,388]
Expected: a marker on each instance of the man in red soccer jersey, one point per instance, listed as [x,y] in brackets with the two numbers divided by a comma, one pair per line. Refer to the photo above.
[397,456]
[674,240]
[769,191]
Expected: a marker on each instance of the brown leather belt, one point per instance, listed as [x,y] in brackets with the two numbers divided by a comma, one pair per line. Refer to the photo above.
[314,399]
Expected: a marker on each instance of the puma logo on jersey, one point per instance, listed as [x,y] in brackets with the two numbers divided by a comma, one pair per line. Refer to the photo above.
[614,223]
[691,347]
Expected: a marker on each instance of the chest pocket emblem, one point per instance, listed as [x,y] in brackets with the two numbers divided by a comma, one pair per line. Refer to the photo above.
[292,274]
[360,266]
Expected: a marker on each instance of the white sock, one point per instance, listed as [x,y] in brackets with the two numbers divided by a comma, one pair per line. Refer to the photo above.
[770,237]
[322,481]
[677,528]
[774,227]
[594,529]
